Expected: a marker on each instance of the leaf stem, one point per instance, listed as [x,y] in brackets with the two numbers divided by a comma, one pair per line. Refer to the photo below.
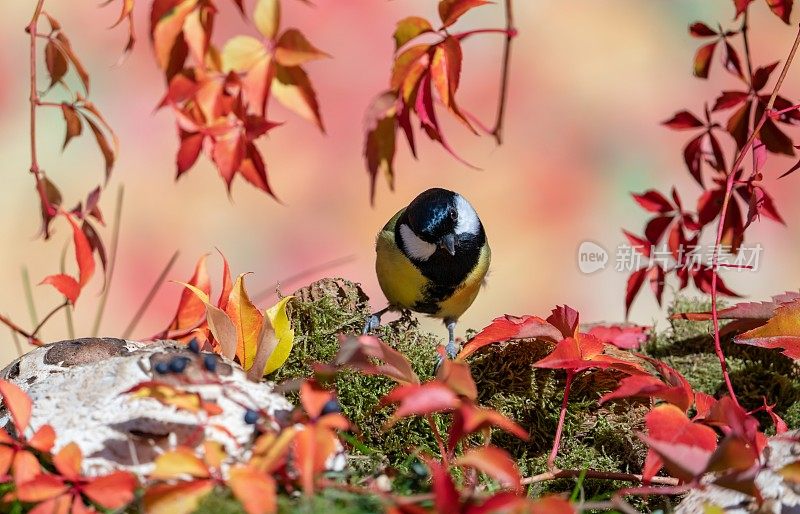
[150,295]
[19,330]
[731,179]
[551,460]
[439,440]
[26,285]
[48,316]
[501,109]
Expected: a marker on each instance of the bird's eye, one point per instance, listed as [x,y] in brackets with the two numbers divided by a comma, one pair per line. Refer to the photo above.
[453,215]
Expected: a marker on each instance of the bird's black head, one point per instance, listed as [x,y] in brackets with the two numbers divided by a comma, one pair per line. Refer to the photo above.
[438,221]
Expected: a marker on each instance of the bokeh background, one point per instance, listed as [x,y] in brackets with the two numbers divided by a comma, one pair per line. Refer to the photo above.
[590,82]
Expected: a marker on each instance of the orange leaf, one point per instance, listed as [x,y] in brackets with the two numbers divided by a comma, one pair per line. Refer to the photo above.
[313,446]
[180,498]
[668,425]
[112,491]
[18,403]
[191,309]
[214,453]
[506,328]
[68,461]
[293,49]
[552,505]
[180,461]
[495,462]
[248,321]
[83,252]
[73,122]
[41,488]
[293,89]
[254,489]
[314,397]
[6,457]
[25,467]
[167,29]
[168,395]
[781,331]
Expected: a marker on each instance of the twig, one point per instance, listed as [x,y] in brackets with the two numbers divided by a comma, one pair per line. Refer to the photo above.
[37,172]
[17,344]
[501,109]
[602,475]
[149,298]
[615,503]
[47,317]
[723,212]
[68,311]
[19,330]
[551,460]
[112,260]
[26,286]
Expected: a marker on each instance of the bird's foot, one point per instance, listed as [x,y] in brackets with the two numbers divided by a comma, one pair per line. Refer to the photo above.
[451,349]
[373,321]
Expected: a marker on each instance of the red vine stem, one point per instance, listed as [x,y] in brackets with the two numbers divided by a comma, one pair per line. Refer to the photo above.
[37,172]
[551,460]
[602,475]
[511,31]
[731,179]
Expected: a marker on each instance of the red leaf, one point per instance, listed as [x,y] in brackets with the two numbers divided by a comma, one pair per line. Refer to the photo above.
[420,400]
[191,310]
[456,375]
[65,285]
[668,424]
[635,281]
[189,151]
[781,331]
[641,245]
[653,201]
[656,278]
[683,120]
[507,328]
[292,87]
[446,497]
[359,352]
[699,29]
[655,228]
[781,8]
[761,76]
[702,59]
[625,337]
[729,99]
[741,6]
[737,125]
[451,10]
[585,352]
[314,397]
[692,156]
[379,142]
[731,61]
[702,279]
[565,319]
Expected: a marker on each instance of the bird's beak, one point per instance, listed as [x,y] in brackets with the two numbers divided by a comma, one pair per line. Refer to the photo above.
[448,242]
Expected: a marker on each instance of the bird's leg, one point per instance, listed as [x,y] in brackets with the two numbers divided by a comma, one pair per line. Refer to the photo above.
[451,349]
[374,321]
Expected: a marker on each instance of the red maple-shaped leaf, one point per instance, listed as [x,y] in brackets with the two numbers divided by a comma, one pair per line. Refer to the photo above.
[507,328]
[685,447]
[584,352]
[670,386]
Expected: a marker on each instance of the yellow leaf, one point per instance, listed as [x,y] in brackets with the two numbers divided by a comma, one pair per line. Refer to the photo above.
[241,53]
[168,28]
[791,472]
[178,462]
[710,508]
[168,395]
[292,87]
[267,17]
[279,320]
[248,321]
[214,453]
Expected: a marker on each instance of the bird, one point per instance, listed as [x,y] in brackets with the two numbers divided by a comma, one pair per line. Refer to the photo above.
[432,258]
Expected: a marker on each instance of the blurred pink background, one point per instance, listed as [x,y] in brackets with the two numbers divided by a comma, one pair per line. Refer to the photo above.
[590,82]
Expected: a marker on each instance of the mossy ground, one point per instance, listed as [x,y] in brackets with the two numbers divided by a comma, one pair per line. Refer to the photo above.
[600,438]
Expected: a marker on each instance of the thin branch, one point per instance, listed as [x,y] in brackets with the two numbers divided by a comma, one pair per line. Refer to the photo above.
[551,460]
[19,330]
[439,440]
[729,183]
[150,295]
[47,317]
[37,172]
[17,343]
[511,32]
[67,311]
[602,475]
[112,261]
[269,291]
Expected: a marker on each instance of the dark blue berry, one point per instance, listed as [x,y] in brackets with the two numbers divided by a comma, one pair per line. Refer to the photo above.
[194,346]
[251,417]
[178,364]
[210,362]
[162,368]
[330,407]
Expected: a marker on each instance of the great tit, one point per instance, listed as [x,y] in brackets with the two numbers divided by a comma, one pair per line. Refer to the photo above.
[432,257]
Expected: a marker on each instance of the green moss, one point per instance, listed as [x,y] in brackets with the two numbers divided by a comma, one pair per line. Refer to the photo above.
[596,437]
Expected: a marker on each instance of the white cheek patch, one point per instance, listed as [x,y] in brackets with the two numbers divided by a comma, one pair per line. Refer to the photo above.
[468,222]
[415,247]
